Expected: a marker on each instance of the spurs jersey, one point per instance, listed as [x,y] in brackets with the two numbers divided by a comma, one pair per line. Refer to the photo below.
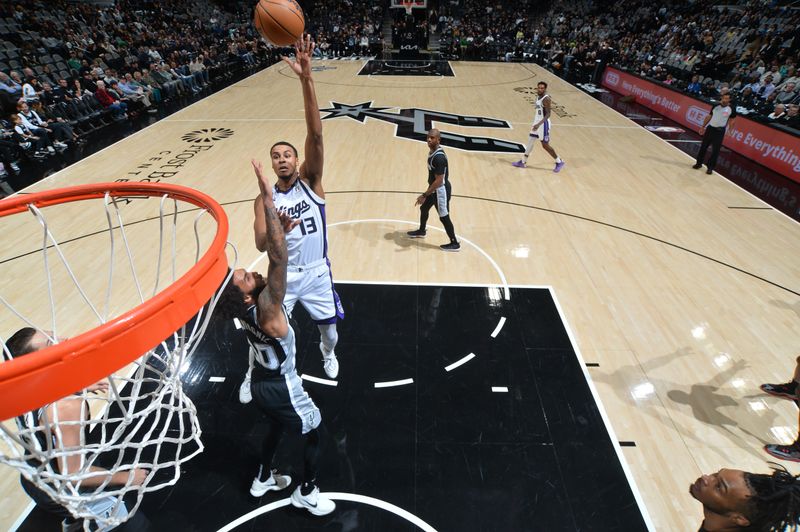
[437,165]
[276,356]
[308,242]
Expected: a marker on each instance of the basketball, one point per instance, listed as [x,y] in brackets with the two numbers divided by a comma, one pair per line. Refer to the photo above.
[280,22]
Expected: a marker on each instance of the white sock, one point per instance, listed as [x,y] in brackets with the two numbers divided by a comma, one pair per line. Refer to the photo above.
[528,149]
[328,336]
[558,160]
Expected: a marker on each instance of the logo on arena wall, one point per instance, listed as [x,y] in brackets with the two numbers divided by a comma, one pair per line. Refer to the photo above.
[612,78]
[207,135]
[414,123]
[696,115]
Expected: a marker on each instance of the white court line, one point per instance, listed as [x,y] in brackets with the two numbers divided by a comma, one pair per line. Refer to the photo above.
[22,517]
[560,125]
[488,257]
[686,141]
[238,120]
[336,496]
[433,283]
[319,380]
[500,389]
[499,327]
[216,379]
[389,384]
[504,284]
[460,362]
[606,421]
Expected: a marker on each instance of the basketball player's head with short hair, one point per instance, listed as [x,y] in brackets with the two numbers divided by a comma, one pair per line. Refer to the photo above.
[734,499]
[541,88]
[240,294]
[26,340]
[284,160]
[434,138]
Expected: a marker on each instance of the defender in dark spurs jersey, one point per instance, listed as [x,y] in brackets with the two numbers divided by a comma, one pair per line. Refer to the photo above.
[276,388]
[65,433]
[299,193]
[541,129]
[438,193]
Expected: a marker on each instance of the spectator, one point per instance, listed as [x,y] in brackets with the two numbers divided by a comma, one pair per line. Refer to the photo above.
[792,118]
[10,86]
[37,125]
[31,90]
[133,93]
[778,113]
[117,107]
[694,86]
[787,93]
[27,140]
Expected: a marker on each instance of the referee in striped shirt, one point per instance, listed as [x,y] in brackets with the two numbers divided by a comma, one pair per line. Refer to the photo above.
[713,131]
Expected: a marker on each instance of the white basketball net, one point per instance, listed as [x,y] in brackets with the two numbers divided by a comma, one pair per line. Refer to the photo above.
[144,421]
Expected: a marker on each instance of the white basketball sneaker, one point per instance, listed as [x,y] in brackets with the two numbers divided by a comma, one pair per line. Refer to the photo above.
[245,394]
[314,502]
[329,362]
[275,482]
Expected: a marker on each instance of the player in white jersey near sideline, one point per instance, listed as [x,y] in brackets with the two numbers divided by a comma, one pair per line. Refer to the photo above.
[299,193]
[541,129]
[257,302]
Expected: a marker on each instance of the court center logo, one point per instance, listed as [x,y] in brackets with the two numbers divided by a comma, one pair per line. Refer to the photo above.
[414,123]
[207,135]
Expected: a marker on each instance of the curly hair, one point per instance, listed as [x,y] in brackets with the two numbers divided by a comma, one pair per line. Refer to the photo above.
[231,302]
[775,503]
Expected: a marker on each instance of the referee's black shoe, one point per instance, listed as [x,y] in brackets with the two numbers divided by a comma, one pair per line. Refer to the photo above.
[696,166]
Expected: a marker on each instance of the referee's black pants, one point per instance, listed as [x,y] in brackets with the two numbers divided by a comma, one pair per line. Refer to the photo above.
[713,137]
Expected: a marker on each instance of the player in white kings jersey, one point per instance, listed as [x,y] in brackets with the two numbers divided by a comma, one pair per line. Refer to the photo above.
[299,193]
[540,129]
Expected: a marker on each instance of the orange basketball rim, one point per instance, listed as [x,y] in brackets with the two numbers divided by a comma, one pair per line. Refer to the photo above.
[28,382]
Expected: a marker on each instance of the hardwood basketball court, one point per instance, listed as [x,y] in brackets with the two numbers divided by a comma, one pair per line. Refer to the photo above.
[679,303]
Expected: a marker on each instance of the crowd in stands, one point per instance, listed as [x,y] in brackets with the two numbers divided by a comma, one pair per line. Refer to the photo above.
[751,51]
[346,28]
[69,69]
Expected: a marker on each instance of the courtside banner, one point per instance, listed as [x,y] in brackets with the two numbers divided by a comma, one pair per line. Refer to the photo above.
[770,147]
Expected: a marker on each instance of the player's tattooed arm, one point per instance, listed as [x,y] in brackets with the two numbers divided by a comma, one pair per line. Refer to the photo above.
[260,223]
[270,300]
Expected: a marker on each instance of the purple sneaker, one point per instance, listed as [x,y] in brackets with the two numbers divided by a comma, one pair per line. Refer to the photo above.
[519,164]
[559,166]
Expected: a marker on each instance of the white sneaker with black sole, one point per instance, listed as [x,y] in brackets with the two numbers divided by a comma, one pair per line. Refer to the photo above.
[275,482]
[314,502]
[245,392]
[329,362]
